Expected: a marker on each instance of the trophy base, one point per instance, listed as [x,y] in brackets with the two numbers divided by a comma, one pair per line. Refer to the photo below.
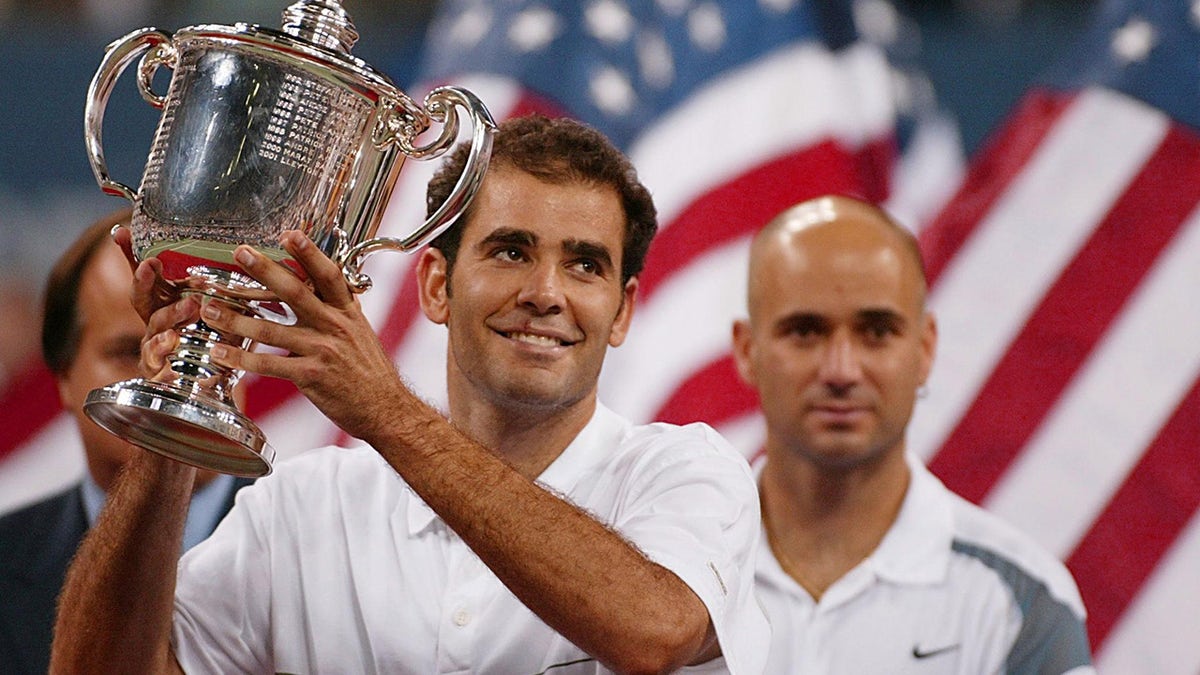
[163,418]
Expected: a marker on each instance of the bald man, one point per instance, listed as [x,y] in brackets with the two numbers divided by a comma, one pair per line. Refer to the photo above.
[868,563]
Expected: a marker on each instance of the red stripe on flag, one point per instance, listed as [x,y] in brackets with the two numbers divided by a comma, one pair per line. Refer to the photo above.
[876,161]
[265,394]
[29,402]
[749,201]
[404,311]
[1071,318]
[531,103]
[991,170]
[1142,521]
[714,394]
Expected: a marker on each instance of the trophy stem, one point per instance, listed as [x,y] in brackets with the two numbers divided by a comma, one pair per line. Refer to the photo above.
[192,363]
[193,418]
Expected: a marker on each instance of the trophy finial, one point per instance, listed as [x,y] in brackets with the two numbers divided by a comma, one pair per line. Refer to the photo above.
[321,22]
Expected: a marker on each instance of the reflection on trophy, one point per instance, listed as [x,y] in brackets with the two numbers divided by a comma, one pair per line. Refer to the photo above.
[261,131]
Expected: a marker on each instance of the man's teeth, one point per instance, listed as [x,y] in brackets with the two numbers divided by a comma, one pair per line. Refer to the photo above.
[540,340]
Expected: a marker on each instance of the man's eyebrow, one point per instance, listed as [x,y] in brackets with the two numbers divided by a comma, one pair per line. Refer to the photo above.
[798,320]
[589,249]
[881,314]
[509,235]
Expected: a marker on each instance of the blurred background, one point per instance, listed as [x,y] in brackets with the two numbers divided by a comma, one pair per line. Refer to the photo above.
[1046,150]
[979,54]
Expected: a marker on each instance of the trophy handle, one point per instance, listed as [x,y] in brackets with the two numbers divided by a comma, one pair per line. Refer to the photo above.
[441,105]
[116,58]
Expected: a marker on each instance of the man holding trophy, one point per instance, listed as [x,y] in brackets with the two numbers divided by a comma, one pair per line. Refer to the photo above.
[533,531]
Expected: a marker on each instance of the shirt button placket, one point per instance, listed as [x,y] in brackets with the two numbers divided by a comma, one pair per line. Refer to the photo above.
[456,632]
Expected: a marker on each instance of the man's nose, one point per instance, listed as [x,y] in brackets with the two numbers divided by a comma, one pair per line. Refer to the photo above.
[841,366]
[542,290]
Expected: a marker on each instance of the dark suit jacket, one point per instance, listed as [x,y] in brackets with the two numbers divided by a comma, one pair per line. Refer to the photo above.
[36,547]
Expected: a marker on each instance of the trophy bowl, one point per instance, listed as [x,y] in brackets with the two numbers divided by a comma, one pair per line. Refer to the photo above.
[261,131]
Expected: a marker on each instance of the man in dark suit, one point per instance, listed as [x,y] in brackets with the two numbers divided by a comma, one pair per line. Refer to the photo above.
[91,337]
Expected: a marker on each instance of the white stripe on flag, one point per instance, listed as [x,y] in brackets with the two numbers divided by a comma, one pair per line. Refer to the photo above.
[929,173]
[46,463]
[296,426]
[1157,631]
[747,433]
[421,360]
[388,269]
[791,99]
[1084,450]
[989,289]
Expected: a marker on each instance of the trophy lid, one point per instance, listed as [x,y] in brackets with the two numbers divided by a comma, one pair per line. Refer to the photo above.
[318,33]
[321,22]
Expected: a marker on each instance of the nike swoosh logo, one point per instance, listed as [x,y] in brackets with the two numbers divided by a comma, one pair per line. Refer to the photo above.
[918,654]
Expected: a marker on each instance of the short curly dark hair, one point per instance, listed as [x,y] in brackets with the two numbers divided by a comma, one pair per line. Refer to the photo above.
[560,150]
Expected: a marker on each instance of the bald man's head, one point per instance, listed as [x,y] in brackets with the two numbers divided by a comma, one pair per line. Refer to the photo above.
[835,217]
[838,340]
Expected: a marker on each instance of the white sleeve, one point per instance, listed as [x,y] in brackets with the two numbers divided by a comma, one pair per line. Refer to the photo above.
[694,510]
[222,592]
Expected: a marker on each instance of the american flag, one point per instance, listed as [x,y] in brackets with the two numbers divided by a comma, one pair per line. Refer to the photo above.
[1065,392]
[1066,395]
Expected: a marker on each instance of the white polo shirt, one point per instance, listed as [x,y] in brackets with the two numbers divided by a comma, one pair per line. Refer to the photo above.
[333,565]
[950,589]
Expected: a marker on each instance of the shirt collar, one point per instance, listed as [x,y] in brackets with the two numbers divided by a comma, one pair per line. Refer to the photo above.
[916,548]
[596,441]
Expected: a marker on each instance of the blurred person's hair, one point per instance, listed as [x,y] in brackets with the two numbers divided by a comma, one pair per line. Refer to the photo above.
[60,313]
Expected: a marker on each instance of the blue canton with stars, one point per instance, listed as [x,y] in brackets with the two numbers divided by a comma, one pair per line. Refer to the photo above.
[1146,49]
[619,64]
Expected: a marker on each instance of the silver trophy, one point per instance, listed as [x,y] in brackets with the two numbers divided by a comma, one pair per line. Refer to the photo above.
[261,131]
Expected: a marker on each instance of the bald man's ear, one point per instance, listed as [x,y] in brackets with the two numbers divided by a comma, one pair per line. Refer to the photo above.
[928,345]
[743,348]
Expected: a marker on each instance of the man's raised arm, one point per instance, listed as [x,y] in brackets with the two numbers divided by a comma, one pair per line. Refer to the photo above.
[114,613]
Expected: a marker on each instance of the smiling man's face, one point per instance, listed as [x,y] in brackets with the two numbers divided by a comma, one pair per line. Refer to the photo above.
[535,298]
